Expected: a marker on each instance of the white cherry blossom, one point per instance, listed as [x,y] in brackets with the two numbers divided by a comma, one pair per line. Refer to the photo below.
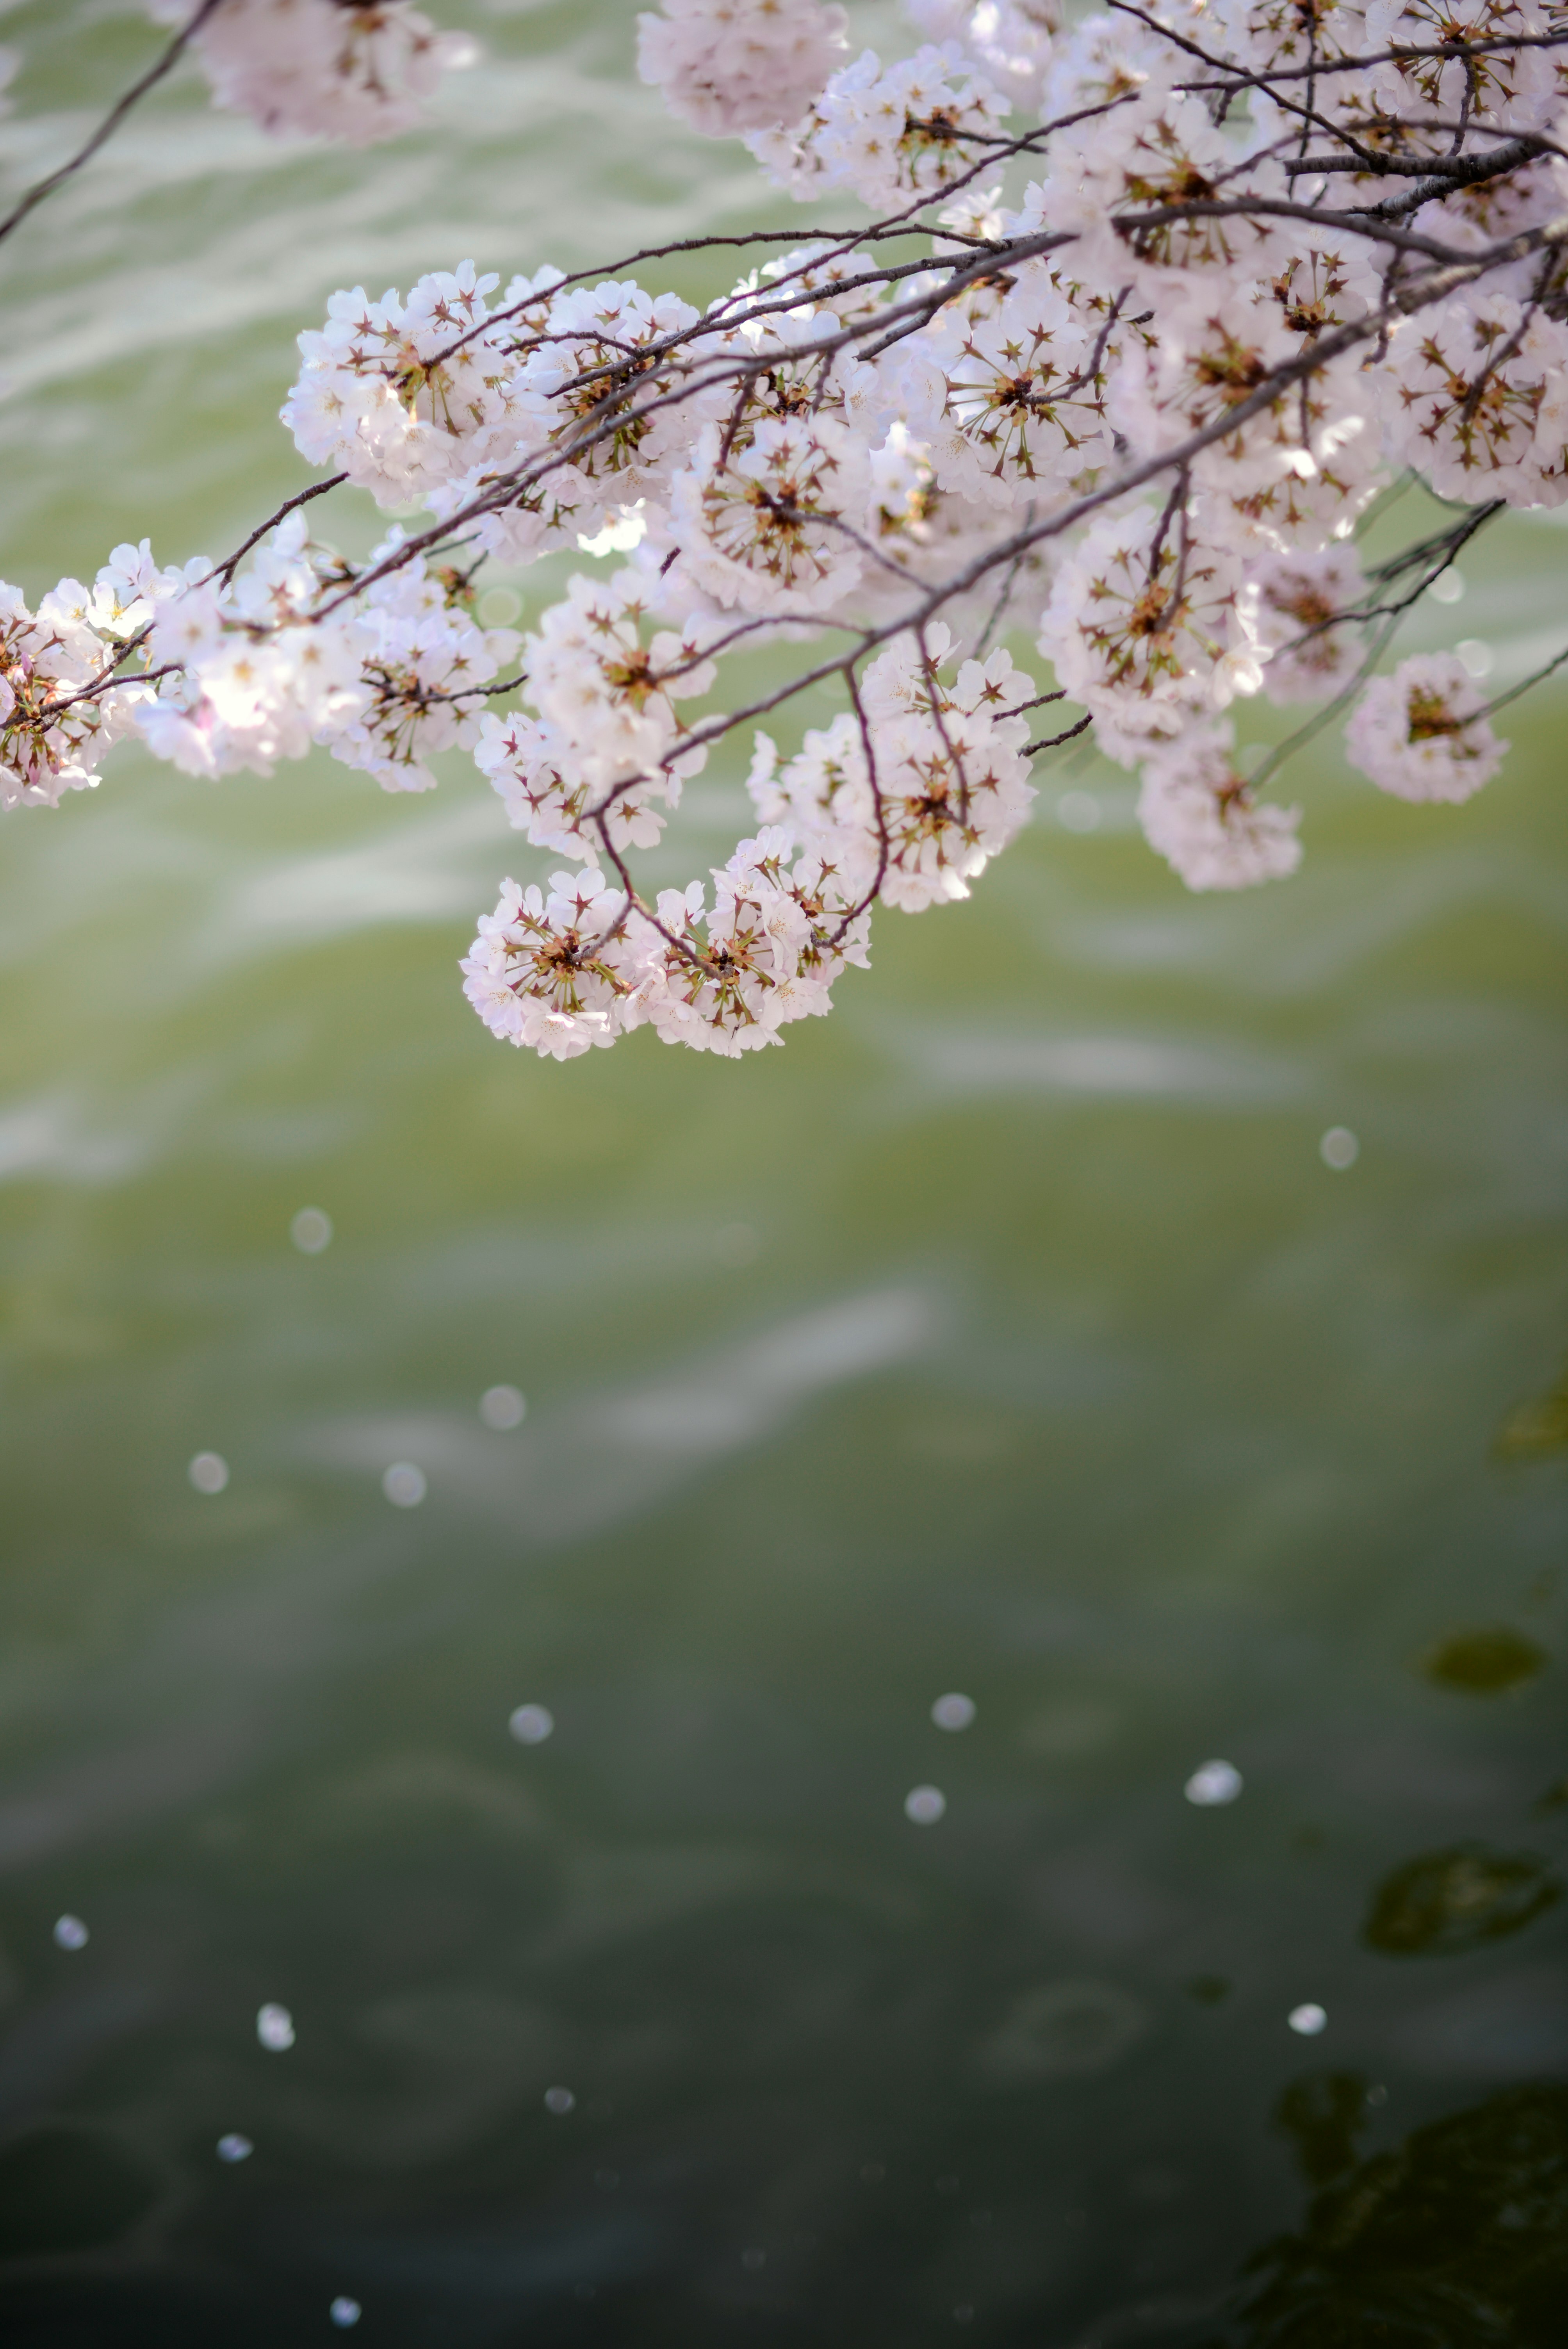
[776,526]
[944,787]
[1309,657]
[403,395]
[1131,381]
[1011,406]
[1150,623]
[557,971]
[1198,813]
[727,65]
[1420,734]
[58,713]
[1010,41]
[358,72]
[888,136]
[1473,378]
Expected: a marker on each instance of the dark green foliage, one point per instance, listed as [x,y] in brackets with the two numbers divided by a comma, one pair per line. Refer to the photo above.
[1456,2239]
[1447,1901]
[1323,2115]
[1484,1662]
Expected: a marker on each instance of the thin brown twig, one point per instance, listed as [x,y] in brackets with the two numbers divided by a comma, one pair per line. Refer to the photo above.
[150,80]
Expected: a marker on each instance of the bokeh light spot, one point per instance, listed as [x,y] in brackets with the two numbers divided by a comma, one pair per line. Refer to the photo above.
[953,1711]
[502,1407]
[1214,1781]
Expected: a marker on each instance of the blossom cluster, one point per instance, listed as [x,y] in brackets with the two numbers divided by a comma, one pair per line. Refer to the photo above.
[356,70]
[1156,314]
[728,65]
[239,671]
[583,964]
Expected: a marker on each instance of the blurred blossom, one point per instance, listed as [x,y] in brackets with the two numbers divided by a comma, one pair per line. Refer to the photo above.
[1339,1148]
[559,2100]
[311,1231]
[530,1724]
[70,1932]
[953,1711]
[1216,1782]
[275,2028]
[1448,587]
[1308,2020]
[502,1407]
[234,2147]
[924,1806]
[1479,658]
[404,1484]
[344,2311]
[208,1472]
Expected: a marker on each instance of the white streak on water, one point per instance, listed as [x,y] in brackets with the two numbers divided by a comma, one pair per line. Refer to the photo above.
[980,1061]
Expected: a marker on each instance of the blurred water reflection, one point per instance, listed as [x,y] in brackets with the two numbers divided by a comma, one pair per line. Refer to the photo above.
[1009,1341]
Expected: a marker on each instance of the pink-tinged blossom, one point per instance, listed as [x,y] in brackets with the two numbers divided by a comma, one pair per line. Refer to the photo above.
[729,66]
[1471,380]
[889,136]
[1295,471]
[424,663]
[1107,61]
[557,971]
[359,70]
[923,533]
[765,952]
[59,711]
[401,395]
[258,677]
[1419,733]
[777,526]
[1010,41]
[1279,34]
[599,768]
[1500,87]
[594,398]
[609,685]
[945,787]
[1010,406]
[1149,624]
[1309,656]
[1119,182]
[1198,813]
[535,771]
